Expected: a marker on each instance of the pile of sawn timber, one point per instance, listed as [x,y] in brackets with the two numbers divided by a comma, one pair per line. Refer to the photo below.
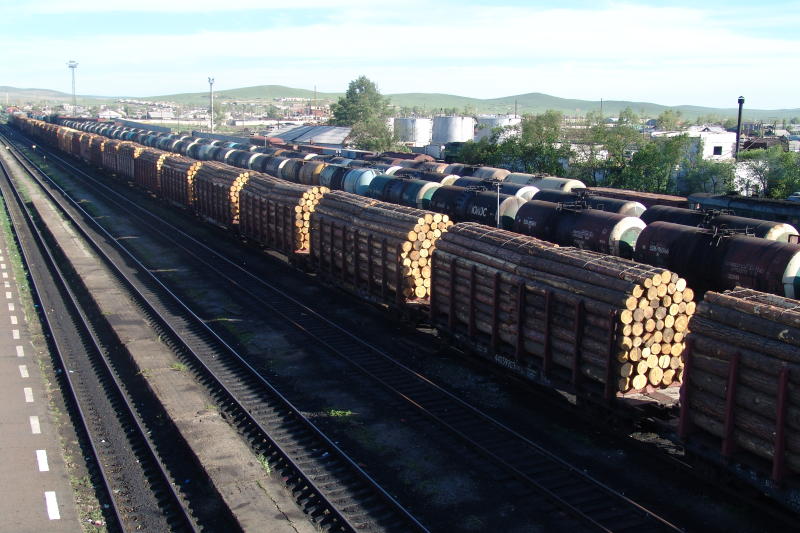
[743,344]
[550,310]
[374,245]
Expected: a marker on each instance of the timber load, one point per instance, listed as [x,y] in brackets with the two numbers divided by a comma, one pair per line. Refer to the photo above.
[96,147]
[277,214]
[375,247]
[126,159]
[216,192]
[550,312]
[87,140]
[743,385]
[110,154]
[147,168]
[177,180]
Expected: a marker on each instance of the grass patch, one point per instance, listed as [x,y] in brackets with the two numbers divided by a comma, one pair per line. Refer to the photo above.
[339,413]
[264,462]
[178,367]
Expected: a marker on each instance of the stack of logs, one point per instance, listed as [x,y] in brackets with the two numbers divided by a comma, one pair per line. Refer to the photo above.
[177,180]
[86,146]
[277,214]
[126,159]
[216,189]
[743,369]
[374,245]
[147,168]
[110,155]
[547,310]
[97,145]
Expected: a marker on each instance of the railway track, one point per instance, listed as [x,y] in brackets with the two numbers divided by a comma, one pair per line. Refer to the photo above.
[330,487]
[138,485]
[581,499]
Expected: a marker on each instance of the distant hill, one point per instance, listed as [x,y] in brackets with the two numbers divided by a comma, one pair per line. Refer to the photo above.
[525,103]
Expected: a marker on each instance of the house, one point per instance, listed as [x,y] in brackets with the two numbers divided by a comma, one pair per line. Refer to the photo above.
[717,143]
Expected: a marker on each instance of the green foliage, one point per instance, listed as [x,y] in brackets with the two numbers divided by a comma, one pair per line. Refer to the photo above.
[361,103]
[668,120]
[654,165]
[772,172]
[709,176]
[536,148]
[374,134]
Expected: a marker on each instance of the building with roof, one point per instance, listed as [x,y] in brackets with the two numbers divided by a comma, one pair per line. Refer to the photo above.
[331,136]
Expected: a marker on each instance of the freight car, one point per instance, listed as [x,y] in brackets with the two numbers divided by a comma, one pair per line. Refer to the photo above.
[763,208]
[774,231]
[479,206]
[601,326]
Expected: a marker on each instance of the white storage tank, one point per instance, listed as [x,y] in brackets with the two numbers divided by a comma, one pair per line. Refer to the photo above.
[453,129]
[487,123]
[416,131]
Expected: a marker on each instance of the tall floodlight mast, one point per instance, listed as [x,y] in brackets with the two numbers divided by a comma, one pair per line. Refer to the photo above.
[211,100]
[73,65]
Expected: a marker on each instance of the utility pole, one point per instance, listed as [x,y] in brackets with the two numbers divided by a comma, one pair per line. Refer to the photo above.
[738,129]
[73,65]
[211,101]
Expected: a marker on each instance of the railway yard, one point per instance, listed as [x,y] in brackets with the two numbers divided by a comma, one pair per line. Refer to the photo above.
[286,340]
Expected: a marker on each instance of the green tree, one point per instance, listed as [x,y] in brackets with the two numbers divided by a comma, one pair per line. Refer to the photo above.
[374,134]
[653,167]
[772,172]
[361,103]
[709,176]
[628,117]
[668,120]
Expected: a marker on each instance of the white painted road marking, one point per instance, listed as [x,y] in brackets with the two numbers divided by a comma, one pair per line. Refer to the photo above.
[3,266]
[36,428]
[20,351]
[23,371]
[10,306]
[41,458]
[28,394]
[8,295]
[13,320]
[7,284]
[52,505]
[5,275]
[15,334]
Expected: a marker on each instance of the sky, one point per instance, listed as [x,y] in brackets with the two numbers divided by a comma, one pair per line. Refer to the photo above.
[701,52]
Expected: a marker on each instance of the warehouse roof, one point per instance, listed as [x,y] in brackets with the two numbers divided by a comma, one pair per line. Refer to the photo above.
[328,135]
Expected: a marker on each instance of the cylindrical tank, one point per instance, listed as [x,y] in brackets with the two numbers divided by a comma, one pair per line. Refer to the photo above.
[332,176]
[416,131]
[433,166]
[291,170]
[588,229]
[256,161]
[676,215]
[488,173]
[612,205]
[526,192]
[712,262]
[414,190]
[761,264]
[309,174]
[450,201]
[378,185]
[421,174]
[774,231]
[452,129]
[274,164]
[357,180]
[488,123]
[545,182]
[482,207]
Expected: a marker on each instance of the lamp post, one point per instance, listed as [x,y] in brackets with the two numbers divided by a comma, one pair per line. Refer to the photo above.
[211,101]
[73,65]
[738,129]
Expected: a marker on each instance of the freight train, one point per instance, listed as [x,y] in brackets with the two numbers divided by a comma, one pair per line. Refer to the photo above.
[608,329]
[714,256]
